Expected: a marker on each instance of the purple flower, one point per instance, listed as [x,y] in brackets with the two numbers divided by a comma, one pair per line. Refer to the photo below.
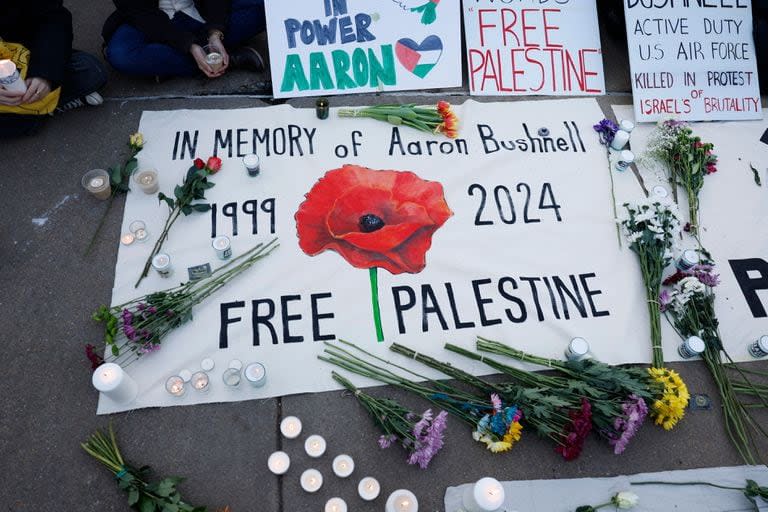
[704,274]
[606,129]
[386,441]
[152,310]
[141,306]
[130,332]
[148,348]
[429,438]
[665,299]
[496,402]
[170,313]
[634,411]
[127,317]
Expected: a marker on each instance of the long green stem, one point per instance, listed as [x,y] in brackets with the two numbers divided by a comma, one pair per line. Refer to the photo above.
[373,272]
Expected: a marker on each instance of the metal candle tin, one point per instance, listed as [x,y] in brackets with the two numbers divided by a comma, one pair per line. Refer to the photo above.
[162,264]
[626,158]
[577,349]
[223,247]
[759,348]
[687,260]
[691,347]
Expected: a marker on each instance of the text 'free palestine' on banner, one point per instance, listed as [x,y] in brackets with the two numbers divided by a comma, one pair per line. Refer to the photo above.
[693,60]
[356,46]
[526,47]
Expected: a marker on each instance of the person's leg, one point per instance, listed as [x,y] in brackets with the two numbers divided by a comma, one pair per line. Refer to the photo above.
[129,52]
[246,20]
[85,74]
[13,125]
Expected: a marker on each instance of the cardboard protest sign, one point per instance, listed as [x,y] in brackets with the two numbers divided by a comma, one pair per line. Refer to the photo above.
[692,60]
[544,47]
[323,47]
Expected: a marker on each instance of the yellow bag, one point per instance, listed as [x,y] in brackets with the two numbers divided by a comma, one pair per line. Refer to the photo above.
[20,56]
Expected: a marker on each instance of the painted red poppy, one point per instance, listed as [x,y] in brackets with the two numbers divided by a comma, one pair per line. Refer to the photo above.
[372,218]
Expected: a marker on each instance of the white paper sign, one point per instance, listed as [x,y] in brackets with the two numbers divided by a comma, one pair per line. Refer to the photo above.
[692,61]
[545,47]
[324,47]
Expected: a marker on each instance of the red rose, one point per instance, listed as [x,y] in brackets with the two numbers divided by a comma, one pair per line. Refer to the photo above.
[199,163]
[213,164]
[372,218]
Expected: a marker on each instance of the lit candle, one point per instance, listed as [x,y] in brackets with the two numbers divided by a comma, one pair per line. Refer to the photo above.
[97,183]
[114,383]
[200,382]
[231,377]
[175,386]
[127,239]
[311,480]
[256,374]
[290,427]
[335,505]
[278,463]
[487,495]
[343,466]
[315,446]
[162,265]
[402,500]
[147,181]
[252,164]
[369,488]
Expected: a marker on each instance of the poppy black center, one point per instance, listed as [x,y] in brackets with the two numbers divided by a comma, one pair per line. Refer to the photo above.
[370,223]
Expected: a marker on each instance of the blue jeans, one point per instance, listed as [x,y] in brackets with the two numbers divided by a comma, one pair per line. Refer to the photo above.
[85,74]
[129,51]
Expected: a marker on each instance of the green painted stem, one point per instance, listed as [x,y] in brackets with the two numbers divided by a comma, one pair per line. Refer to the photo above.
[373,271]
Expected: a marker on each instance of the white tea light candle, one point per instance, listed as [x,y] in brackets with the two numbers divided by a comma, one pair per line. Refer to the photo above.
[207,364]
[369,488]
[278,463]
[335,505]
[315,446]
[659,192]
[127,239]
[201,382]
[487,495]
[311,480]
[402,500]
[290,427]
[256,374]
[343,466]
[222,247]
[114,383]
[175,386]
[147,181]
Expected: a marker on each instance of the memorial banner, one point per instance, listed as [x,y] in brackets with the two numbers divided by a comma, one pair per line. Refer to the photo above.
[390,233]
[692,61]
[325,47]
[544,47]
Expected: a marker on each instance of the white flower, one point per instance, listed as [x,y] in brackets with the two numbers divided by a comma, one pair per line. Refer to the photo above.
[625,500]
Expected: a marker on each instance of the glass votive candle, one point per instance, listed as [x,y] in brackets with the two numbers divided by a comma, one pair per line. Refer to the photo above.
[147,180]
[231,377]
[201,382]
[141,235]
[127,239]
[256,374]
[343,466]
[162,265]
[136,225]
[322,108]
[369,488]
[335,505]
[290,427]
[311,480]
[213,58]
[175,386]
[252,164]
[278,463]
[97,183]
[315,446]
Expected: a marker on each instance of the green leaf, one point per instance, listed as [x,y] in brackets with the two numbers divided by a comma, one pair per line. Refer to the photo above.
[186,210]
[208,185]
[130,166]
[190,173]
[178,192]
[147,504]
[166,487]
[133,497]
[115,351]
[201,207]
[116,175]
[170,507]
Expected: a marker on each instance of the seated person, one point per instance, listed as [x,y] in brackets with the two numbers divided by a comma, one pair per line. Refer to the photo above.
[44,27]
[167,38]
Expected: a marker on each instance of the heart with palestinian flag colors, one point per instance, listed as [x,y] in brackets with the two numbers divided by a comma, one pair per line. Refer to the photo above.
[419,58]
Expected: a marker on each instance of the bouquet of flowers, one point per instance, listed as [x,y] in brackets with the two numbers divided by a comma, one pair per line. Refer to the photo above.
[564,418]
[421,435]
[652,229]
[495,424]
[689,305]
[119,180]
[139,326]
[142,495]
[687,159]
[437,119]
[618,395]
[187,197]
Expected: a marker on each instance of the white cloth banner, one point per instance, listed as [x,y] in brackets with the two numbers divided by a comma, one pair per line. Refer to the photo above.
[691,61]
[357,46]
[733,210]
[542,47]
[565,495]
[529,255]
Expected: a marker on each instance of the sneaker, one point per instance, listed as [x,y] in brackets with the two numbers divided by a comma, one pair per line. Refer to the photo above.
[247,58]
[94,99]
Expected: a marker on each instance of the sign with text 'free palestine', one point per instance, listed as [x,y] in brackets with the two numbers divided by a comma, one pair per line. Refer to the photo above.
[525,47]
[324,47]
[692,60]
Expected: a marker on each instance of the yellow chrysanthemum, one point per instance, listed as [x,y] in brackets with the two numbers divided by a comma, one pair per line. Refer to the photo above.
[499,446]
[670,407]
[514,433]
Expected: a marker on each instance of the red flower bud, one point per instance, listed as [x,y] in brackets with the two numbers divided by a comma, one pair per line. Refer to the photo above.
[213,165]
[199,163]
